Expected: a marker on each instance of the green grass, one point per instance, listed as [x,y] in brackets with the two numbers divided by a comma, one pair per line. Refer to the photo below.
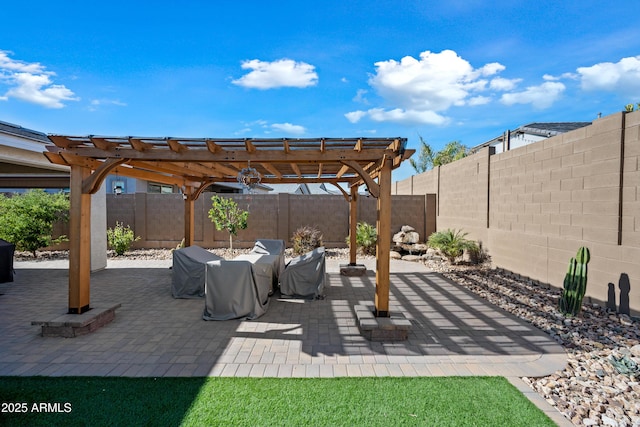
[440,401]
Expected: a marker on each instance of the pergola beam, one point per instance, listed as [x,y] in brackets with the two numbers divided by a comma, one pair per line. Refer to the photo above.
[224,156]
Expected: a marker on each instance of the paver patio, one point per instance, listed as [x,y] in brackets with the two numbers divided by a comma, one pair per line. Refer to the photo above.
[453,331]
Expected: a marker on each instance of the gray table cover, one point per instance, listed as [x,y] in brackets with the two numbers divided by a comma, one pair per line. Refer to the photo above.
[272,247]
[231,291]
[188,271]
[304,276]
[265,268]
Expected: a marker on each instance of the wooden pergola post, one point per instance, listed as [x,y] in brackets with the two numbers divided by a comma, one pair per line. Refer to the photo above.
[383,247]
[79,242]
[189,217]
[353,218]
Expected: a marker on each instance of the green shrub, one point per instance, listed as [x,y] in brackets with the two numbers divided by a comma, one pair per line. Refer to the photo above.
[26,220]
[226,215]
[452,243]
[120,238]
[366,238]
[306,239]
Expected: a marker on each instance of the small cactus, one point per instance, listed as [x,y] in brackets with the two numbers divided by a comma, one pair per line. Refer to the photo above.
[575,283]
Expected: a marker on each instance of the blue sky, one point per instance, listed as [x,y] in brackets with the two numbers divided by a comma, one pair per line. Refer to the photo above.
[462,70]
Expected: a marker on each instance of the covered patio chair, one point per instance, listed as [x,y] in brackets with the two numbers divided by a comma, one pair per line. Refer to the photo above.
[188,271]
[231,291]
[304,276]
[273,247]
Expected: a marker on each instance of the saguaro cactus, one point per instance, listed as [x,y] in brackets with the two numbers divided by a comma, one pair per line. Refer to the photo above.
[575,283]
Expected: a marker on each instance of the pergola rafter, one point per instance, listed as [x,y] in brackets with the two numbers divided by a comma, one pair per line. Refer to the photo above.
[193,164]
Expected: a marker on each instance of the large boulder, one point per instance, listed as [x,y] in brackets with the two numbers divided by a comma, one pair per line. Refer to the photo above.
[395,255]
[406,235]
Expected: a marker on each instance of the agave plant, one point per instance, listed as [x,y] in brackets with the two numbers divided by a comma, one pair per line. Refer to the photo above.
[452,243]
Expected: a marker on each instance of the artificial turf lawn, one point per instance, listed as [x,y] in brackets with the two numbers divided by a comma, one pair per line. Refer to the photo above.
[433,401]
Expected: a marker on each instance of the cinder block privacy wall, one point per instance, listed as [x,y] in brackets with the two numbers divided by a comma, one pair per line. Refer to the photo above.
[534,206]
[159,218]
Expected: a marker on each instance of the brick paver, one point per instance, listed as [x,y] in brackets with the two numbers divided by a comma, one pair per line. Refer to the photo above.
[453,332]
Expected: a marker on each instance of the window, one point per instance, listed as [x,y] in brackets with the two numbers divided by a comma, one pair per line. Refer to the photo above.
[159,188]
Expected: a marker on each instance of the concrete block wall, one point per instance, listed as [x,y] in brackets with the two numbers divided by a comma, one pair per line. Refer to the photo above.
[547,199]
[466,186]
[159,218]
[631,182]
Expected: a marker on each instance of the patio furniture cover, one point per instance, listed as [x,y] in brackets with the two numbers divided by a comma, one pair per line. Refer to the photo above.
[231,291]
[188,273]
[272,247]
[304,275]
[6,261]
[264,272]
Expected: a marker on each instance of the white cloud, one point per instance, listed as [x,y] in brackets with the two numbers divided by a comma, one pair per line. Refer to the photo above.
[280,73]
[355,116]
[289,128]
[398,115]
[95,103]
[434,82]
[418,90]
[243,131]
[621,77]
[360,96]
[502,84]
[541,97]
[31,82]
[479,100]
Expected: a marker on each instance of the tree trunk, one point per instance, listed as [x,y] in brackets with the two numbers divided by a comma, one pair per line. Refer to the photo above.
[231,242]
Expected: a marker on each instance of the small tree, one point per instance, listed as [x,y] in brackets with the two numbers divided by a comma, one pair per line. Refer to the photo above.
[226,215]
[120,238]
[26,220]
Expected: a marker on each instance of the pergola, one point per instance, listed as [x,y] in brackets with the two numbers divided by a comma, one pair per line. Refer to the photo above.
[193,164]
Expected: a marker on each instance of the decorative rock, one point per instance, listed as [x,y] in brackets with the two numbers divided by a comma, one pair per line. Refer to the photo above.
[407,228]
[413,258]
[406,237]
[635,350]
[419,247]
[395,255]
[609,421]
